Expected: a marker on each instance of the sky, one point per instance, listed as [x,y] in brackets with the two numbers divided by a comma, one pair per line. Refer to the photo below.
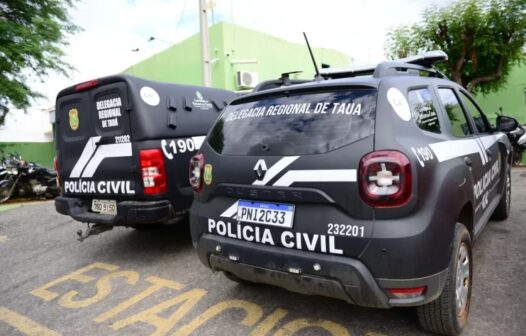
[113,28]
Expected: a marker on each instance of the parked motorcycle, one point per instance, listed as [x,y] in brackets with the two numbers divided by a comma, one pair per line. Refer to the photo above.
[518,141]
[20,178]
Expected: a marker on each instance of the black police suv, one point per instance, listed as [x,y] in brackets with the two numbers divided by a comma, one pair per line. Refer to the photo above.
[369,186]
[123,146]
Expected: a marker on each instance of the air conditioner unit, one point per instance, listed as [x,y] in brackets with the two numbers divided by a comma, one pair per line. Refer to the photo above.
[247,80]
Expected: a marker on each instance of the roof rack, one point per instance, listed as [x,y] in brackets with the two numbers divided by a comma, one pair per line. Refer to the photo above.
[414,66]
[284,80]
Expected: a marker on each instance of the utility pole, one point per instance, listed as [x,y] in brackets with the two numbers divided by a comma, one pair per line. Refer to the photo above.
[205,50]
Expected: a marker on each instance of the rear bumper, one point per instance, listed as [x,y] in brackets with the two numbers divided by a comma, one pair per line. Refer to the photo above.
[129,213]
[337,277]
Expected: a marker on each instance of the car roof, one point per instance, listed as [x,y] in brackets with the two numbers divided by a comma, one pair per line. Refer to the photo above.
[416,70]
[399,80]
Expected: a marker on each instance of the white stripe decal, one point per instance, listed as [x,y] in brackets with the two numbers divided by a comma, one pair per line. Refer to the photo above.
[489,140]
[87,152]
[276,169]
[329,175]
[451,149]
[198,141]
[104,152]
[231,211]
[447,150]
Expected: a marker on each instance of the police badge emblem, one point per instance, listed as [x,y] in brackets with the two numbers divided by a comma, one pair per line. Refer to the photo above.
[74,119]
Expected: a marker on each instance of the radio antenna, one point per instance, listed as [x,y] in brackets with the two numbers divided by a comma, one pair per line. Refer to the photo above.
[318,76]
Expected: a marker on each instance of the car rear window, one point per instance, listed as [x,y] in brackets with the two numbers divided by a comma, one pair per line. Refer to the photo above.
[295,124]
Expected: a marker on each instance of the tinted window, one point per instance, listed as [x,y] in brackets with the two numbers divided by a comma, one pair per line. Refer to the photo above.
[423,111]
[456,115]
[479,118]
[295,124]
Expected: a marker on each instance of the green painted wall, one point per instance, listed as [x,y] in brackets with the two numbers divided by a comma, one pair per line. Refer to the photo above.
[512,97]
[180,63]
[230,43]
[41,153]
[274,55]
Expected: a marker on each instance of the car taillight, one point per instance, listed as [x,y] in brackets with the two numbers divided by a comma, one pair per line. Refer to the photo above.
[197,162]
[86,85]
[406,293]
[55,166]
[385,179]
[153,171]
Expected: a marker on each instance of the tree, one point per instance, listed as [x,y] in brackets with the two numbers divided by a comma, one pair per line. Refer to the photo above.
[32,34]
[484,39]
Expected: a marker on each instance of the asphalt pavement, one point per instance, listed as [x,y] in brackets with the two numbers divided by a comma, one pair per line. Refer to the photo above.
[127,282]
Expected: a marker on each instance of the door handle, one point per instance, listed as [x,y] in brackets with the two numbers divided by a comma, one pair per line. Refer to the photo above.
[468,161]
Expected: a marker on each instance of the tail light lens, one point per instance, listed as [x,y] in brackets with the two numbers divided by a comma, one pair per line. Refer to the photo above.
[385,179]
[55,166]
[153,171]
[407,293]
[86,85]
[197,162]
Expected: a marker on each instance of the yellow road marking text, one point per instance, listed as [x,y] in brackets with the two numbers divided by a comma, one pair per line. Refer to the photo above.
[47,295]
[103,289]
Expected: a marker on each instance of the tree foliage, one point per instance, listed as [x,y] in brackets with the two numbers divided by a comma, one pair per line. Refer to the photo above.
[32,35]
[484,39]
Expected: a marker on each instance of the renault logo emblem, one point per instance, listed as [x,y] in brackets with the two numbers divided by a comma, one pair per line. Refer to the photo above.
[260,169]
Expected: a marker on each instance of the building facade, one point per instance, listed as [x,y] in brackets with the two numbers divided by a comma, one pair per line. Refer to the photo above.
[234,51]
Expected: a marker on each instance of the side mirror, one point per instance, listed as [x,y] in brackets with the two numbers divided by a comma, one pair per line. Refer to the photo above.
[506,124]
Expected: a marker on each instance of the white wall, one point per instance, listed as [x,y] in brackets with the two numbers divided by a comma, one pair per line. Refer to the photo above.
[33,126]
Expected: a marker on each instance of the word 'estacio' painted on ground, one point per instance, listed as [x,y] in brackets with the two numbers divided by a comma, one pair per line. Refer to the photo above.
[104,276]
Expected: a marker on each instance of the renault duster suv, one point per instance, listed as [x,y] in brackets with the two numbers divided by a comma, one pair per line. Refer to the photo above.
[369,186]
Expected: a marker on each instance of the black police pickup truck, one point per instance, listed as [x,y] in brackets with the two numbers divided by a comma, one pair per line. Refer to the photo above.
[369,186]
[123,146]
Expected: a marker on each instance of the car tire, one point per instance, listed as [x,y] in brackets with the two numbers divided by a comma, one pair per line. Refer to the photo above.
[502,211]
[448,314]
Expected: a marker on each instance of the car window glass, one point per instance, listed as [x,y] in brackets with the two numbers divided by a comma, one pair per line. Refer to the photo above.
[457,118]
[423,111]
[476,114]
[295,124]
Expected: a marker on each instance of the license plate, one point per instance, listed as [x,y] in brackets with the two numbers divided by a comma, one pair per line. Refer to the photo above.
[105,207]
[275,214]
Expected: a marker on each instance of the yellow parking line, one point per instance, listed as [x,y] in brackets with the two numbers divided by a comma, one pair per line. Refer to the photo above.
[3,239]
[24,324]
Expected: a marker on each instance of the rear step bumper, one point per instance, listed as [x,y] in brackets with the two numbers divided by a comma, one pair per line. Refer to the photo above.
[129,213]
[337,277]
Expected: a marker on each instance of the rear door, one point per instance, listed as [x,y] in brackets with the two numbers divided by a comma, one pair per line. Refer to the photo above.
[486,187]
[466,146]
[94,143]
